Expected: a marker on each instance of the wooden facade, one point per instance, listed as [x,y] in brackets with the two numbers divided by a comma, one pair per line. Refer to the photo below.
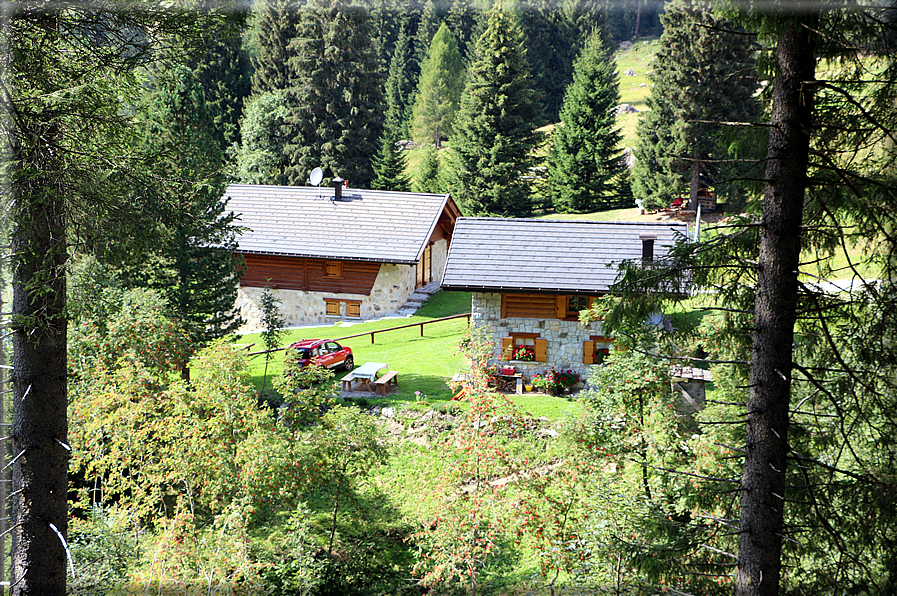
[310,275]
[544,306]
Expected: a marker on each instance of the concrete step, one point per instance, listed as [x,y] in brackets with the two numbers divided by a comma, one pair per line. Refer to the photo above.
[429,289]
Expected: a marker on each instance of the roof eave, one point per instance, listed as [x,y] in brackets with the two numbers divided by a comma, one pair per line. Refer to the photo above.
[327,258]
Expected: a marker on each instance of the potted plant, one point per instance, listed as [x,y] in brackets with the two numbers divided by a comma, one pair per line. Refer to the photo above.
[556,382]
[523,353]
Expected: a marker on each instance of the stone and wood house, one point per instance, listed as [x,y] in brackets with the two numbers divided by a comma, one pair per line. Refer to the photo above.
[530,278]
[333,253]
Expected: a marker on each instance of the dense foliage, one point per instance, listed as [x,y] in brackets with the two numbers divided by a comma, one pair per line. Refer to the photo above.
[495,134]
[585,159]
[704,79]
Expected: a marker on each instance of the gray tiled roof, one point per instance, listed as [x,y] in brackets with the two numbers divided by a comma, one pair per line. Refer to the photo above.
[367,225]
[539,255]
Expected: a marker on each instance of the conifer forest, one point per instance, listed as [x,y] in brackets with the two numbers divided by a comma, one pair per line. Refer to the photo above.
[146,448]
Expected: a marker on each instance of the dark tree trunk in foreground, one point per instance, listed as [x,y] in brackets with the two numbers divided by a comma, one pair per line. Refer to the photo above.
[39,401]
[763,480]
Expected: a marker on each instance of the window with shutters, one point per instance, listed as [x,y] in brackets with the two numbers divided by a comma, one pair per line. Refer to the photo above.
[510,346]
[577,303]
[596,349]
[333,269]
[333,308]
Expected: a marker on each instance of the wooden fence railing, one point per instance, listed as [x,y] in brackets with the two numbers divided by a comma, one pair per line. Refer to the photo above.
[372,333]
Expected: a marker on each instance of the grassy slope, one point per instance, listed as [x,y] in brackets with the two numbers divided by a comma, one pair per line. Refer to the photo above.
[637,58]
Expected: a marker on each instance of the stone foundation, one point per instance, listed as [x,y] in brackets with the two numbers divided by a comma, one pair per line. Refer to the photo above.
[393,286]
[565,338]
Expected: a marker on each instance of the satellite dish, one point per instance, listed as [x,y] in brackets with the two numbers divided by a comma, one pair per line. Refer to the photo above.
[316,176]
[655,319]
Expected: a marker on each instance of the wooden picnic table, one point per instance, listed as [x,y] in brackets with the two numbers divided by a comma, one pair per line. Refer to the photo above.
[365,374]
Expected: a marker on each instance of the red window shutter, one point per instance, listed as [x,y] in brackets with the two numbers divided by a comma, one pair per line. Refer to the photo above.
[541,346]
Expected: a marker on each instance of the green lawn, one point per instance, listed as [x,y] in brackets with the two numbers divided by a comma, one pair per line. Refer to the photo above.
[634,89]
[424,363]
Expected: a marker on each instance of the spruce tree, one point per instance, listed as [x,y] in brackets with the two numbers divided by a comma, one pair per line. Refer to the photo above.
[68,120]
[551,47]
[703,75]
[495,133]
[224,71]
[335,96]
[427,25]
[439,89]
[191,260]
[466,22]
[275,28]
[389,166]
[585,156]
[399,89]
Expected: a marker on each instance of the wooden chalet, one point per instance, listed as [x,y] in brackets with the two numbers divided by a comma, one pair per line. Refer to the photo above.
[530,278]
[338,252]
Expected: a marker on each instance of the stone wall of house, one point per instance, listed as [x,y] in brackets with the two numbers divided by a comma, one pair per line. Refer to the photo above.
[393,286]
[565,338]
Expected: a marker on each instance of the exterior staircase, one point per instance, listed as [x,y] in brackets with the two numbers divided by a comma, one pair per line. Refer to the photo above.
[417,299]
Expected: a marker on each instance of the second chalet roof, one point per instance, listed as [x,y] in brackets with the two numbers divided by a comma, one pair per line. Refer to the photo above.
[538,255]
[364,225]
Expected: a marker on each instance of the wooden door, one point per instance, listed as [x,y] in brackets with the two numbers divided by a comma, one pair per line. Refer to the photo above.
[425,268]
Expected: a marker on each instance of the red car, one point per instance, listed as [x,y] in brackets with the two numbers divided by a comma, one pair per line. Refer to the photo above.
[324,352]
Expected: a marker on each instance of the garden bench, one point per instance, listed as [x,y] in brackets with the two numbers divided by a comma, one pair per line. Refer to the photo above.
[390,378]
[347,381]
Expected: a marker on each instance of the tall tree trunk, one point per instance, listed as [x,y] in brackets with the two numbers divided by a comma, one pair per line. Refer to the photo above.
[695,182]
[40,428]
[763,479]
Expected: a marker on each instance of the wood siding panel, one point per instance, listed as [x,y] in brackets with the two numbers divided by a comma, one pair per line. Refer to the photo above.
[358,277]
[292,273]
[530,306]
[285,273]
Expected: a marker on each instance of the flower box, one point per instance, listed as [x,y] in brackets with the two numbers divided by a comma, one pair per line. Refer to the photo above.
[508,370]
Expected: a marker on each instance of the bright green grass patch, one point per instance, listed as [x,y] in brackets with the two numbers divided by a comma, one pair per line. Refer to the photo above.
[635,88]
[424,363]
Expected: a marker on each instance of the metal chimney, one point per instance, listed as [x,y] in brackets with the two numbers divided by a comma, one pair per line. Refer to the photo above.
[647,247]
[337,188]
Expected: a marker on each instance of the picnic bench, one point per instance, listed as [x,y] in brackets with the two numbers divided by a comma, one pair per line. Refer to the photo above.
[381,385]
[366,374]
[347,381]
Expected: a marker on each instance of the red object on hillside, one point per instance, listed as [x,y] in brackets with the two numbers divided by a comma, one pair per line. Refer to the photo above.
[324,352]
